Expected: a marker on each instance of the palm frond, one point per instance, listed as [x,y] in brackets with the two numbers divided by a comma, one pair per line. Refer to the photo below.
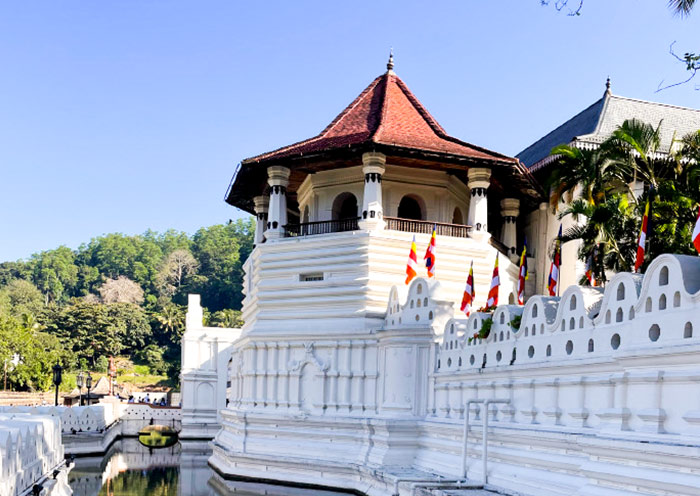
[681,7]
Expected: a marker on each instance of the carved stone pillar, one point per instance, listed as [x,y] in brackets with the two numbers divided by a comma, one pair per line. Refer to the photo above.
[261,208]
[372,212]
[479,182]
[510,209]
[278,179]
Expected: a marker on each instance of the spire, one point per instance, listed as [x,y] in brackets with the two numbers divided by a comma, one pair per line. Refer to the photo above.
[607,86]
[390,64]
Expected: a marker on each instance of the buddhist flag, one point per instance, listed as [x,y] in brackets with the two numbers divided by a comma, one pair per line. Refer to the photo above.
[430,255]
[696,233]
[412,265]
[469,293]
[553,284]
[522,275]
[589,269]
[492,298]
[642,241]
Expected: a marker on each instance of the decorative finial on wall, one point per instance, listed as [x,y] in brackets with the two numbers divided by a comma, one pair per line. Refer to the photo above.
[390,64]
[607,85]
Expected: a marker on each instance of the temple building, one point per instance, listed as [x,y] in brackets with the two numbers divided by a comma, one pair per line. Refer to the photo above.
[587,130]
[344,376]
[381,172]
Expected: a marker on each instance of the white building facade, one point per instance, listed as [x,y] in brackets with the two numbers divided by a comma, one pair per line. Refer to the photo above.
[345,377]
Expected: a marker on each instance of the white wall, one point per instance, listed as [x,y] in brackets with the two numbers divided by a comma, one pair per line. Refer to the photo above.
[345,407]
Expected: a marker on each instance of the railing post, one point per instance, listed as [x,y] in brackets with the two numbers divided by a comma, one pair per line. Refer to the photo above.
[484,441]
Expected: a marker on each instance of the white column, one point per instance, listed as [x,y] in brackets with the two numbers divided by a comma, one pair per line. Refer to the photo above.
[261,208]
[278,179]
[479,182]
[372,212]
[510,209]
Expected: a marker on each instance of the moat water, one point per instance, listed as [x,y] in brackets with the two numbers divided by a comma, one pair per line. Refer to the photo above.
[131,469]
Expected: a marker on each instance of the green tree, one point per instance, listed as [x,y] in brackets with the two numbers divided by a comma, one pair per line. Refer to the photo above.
[170,320]
[226,318]
[220,251]
[22,298]
[14,270]
[54,272]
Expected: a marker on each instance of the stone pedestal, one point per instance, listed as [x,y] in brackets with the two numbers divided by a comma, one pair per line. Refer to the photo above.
[479,182]
[372,212]
[510,209]
[261,210]
[278,179]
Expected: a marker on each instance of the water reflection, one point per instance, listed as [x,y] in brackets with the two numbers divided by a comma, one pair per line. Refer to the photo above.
[157,436]
[131,469]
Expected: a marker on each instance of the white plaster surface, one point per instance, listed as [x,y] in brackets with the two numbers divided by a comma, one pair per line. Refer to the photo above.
[327,388]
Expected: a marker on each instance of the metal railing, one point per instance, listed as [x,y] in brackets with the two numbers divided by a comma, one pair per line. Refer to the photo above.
[426,227]
[321,227]
[484,435]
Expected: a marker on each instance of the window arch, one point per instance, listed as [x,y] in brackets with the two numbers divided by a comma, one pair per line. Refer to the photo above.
[344,206]
[457,216]
[411,207]
[621,292]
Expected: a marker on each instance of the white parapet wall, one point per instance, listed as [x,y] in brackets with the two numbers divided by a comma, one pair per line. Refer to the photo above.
[92,429]
[602,391]
[206,353]
[30,451]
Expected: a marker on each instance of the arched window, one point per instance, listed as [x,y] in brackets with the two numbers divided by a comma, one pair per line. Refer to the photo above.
[457,216]
[345,206]
[410,208]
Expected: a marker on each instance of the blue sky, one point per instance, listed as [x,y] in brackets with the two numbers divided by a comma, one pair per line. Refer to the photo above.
[118,116]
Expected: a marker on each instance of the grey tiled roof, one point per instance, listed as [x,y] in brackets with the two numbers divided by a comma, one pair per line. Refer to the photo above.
[592,126]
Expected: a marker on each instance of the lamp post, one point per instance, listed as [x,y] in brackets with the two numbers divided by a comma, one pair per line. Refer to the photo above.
[79,382]
[88,385]
[57,378]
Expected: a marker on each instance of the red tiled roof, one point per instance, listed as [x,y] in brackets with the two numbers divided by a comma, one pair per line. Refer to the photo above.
[386,113]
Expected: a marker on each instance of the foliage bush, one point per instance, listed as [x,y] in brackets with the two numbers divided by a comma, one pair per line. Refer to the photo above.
[102,364]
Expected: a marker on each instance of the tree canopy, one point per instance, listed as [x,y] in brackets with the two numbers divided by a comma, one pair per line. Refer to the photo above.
[117,295]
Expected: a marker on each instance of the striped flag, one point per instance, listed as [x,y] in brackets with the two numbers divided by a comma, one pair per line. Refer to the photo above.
[642,241]
[412,265]
[553,284]
[430,255]
[492,298]
[589,269]
[696,233]
[469,292]
[522,275]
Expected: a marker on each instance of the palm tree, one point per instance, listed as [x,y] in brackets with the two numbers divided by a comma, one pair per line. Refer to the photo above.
[609,226]
[172,320]
[636,147]
[590,170]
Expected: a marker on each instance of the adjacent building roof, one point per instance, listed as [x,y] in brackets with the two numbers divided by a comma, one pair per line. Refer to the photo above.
[596,123]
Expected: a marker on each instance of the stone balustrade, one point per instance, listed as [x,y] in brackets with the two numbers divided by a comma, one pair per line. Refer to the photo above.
[623,357]
[30,448]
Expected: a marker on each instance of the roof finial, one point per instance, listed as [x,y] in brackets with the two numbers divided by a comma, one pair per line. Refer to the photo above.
[390,64]
[607,86]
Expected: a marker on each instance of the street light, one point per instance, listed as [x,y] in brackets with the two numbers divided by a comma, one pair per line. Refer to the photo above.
[57,379]
[88,385]
[80,383]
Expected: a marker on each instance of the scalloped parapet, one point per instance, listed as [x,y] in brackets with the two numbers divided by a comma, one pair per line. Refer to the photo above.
[657,310]
[425,304]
